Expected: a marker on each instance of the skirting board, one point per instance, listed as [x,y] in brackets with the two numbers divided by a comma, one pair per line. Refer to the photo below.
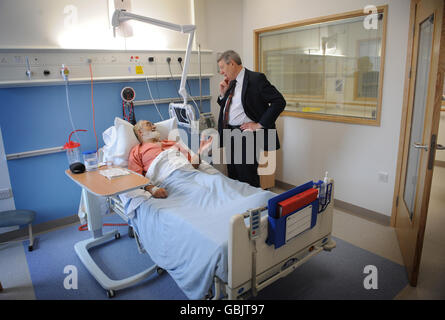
[349,208]
[38,228]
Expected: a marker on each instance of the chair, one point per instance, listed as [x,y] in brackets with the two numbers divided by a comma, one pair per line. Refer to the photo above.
[12,218]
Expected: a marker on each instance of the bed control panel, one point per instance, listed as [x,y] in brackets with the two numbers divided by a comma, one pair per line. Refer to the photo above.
[255,223]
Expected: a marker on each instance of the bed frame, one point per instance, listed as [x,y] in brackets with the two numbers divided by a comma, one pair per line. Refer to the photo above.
[252,263]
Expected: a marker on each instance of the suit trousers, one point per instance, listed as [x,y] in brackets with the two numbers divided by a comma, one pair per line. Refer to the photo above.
[242,163]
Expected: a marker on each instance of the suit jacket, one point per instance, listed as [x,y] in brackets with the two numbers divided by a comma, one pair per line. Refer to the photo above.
[262,103]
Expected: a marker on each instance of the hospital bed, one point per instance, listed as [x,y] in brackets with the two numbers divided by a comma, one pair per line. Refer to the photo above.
[217,237]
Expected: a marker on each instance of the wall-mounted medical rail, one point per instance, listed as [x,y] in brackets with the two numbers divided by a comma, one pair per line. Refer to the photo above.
[34,153]
[167,100]
[40,152]
[84,80]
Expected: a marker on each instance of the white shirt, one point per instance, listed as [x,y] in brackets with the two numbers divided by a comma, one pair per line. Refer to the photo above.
[237,116]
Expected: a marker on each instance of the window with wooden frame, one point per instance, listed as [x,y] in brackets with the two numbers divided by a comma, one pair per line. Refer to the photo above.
[328,68]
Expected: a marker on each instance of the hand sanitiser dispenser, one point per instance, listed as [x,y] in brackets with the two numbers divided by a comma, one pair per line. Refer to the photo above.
[323,187]
[73,154]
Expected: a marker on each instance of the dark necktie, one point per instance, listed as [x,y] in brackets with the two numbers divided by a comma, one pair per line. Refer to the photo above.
[228,102]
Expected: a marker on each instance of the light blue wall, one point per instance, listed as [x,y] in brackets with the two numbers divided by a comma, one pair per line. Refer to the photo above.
[37,117]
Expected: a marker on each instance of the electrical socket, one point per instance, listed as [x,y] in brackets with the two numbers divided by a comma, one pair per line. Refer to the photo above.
[151,59]
[383,176]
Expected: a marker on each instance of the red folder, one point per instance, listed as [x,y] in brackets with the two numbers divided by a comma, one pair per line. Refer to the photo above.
[297,201]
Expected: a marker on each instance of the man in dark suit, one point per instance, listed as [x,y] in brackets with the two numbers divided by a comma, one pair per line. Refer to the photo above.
[249,104]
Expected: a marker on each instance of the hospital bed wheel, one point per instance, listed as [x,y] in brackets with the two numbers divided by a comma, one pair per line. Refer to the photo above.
[117,236]
[110,293]
[209,295]
[159,270]
[130,232]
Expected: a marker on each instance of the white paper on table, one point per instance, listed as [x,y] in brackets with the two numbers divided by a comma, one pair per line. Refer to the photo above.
[114,172]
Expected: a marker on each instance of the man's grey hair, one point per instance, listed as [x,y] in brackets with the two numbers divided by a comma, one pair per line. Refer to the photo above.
[230,55]
[136,128]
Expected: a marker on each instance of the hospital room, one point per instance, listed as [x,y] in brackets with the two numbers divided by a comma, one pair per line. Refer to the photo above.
[240,150]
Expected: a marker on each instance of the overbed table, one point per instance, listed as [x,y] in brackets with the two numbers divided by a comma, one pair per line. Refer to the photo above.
[94,185]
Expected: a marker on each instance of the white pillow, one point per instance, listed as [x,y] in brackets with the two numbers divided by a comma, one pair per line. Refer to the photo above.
[164,127]
[120,139]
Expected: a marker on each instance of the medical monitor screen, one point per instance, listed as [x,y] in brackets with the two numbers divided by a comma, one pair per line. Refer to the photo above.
[181,115]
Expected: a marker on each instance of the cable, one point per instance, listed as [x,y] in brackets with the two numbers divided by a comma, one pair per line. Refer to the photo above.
[131,118]
[157,80]
[149,90]
[194,102]
[171,74]
[84,227]
[92,103]
[188,85]
[69,109]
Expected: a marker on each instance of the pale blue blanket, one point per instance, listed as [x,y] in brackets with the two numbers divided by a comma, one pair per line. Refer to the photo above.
[187,233]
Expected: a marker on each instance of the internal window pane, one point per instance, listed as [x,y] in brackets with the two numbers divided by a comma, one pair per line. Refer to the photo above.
[331,68]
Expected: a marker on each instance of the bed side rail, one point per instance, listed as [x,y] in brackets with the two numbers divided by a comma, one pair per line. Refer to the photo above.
[115,204]
[249,256]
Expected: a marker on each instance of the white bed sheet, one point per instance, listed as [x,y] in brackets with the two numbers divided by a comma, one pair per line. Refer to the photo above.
[187,233]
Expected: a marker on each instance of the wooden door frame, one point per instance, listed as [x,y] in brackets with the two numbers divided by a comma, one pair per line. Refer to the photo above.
[438,59]
[405,106]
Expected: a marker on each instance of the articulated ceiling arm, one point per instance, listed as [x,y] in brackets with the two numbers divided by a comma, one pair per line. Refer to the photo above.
[122,15]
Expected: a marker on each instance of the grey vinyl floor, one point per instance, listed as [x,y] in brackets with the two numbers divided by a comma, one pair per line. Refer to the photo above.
[368,235]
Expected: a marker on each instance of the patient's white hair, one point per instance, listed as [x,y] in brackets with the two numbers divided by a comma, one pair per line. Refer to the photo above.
[136,128]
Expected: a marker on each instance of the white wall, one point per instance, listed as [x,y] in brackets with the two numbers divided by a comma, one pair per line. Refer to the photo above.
[353,154]
[81,24]
[220,24]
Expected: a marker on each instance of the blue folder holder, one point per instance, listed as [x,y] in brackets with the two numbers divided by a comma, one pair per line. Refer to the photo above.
[277,225]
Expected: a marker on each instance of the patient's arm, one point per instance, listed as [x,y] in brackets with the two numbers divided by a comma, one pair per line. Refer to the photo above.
[134,161]
[194,159]
[156,192]
[203,147]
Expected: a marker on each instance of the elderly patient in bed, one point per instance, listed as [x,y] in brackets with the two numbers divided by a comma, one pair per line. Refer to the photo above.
[150,146]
